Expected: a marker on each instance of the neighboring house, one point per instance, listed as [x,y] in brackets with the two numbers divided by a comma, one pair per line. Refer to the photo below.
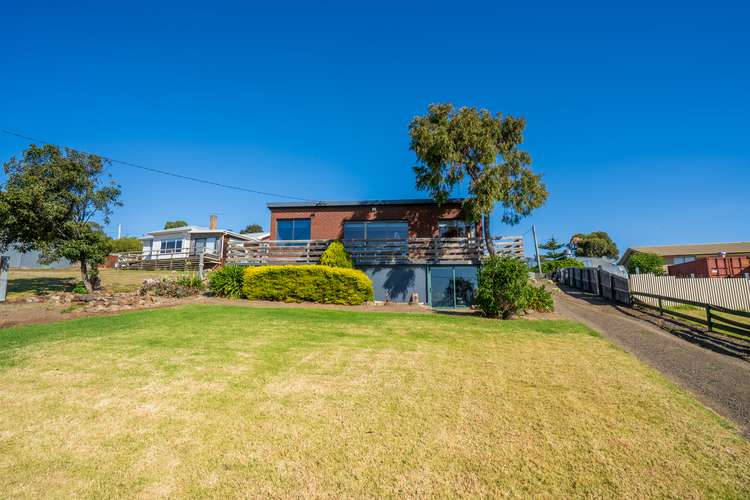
[679,254]
[409,248]
[185,243]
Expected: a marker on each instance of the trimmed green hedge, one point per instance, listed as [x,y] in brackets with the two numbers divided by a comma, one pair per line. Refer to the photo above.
[314,283]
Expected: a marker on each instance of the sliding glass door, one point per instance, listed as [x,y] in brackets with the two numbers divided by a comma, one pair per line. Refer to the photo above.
[452,286]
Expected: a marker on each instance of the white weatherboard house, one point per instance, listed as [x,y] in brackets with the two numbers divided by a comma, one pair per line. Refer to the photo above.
[186,241]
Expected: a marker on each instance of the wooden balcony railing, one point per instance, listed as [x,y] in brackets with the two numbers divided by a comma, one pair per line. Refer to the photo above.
[372,252]
[173,261]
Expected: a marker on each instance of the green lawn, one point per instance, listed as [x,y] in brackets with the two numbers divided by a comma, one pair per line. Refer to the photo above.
[228,401]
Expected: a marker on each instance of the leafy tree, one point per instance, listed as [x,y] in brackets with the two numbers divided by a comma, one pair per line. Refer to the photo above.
[645,263]
[49,203]
[171,224]
[554,249]
[596,244]
[451,145]
[127,244]
[551,266]
[252,228]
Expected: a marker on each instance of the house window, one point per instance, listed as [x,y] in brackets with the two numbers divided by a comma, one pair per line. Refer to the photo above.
[170,246]
[376,230]
[456,228]
[681,259]
[293,229]
[202,245]
[367,240]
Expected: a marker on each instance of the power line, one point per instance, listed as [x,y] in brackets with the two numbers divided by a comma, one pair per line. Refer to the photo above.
[172,174]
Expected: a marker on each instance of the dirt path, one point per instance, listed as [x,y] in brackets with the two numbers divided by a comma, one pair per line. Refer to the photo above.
[720,381]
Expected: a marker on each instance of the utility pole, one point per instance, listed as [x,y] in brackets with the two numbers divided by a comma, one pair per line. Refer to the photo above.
[536,248]
[119,230]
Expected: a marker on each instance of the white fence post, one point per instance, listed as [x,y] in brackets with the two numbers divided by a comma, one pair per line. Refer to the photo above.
[4,266]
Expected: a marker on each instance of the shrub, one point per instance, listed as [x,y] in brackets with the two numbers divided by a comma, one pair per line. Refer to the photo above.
[538,299]
[176,286]
[336,256]
[79,288]
[227,281]
[502,286]
[316,283]
[550,266]
[646,263]
[190,280]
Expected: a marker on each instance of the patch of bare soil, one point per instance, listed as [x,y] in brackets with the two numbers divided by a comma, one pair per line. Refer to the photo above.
[62,306]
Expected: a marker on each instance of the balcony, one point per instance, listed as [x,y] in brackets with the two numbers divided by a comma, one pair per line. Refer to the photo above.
[373,252]
[177,260]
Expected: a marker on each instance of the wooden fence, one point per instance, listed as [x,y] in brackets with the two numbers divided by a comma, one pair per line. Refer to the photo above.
[729,293]
[372,251]
[179,261]
[713,322]
[595,281]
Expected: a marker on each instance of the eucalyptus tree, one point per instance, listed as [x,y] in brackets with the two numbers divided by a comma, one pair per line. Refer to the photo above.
[454,144]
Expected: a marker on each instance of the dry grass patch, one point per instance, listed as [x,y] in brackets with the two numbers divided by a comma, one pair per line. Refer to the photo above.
[229,401]
[27,282]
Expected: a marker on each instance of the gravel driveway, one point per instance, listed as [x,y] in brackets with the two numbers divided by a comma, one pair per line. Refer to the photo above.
[720,381]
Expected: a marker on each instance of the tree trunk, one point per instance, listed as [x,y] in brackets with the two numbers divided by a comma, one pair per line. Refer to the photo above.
[85,276]
[486,233]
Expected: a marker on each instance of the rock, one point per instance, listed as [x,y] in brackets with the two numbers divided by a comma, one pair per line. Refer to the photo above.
[85,297]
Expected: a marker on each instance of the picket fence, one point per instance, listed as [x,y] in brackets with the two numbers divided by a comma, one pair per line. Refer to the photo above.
[731,293]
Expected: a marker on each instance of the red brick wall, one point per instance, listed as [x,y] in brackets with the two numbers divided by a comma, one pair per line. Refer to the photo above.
[327,223]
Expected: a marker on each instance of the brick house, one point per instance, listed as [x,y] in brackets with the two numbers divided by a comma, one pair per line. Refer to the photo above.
[411,249]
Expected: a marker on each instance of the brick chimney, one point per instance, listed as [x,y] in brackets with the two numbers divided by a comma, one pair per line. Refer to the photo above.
[212,222]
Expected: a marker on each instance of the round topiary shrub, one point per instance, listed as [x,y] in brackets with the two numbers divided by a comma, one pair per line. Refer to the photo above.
[336,256]
[227,281]
[315,283]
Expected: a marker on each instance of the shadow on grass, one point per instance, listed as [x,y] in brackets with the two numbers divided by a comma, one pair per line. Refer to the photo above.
[40,285]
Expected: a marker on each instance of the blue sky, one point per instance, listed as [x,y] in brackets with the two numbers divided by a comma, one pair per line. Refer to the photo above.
[637,116]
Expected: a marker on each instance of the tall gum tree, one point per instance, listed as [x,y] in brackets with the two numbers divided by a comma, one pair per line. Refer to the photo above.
[52,202]
[452,145]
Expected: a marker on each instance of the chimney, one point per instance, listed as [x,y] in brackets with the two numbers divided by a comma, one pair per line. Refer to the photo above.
[212,222]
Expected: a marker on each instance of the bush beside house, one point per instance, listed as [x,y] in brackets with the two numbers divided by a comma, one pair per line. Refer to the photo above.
[504,289]
[308,283]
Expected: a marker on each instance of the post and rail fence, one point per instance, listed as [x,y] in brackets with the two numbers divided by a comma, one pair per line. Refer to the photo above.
[713,297]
